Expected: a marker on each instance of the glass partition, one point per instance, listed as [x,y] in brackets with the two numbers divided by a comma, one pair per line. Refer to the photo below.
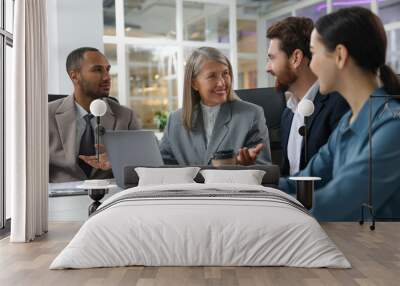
[205,22]
[152,81]
[247,73]
[150,19]
[247,36]
[393,51]
[389,11]
[110,51]
[109,17]
[314,11]
[339,4]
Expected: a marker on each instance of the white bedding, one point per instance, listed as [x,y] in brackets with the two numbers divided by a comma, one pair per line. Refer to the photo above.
[183,231]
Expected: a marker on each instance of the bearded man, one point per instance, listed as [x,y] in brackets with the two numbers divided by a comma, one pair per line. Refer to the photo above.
[289,57]
[71,126]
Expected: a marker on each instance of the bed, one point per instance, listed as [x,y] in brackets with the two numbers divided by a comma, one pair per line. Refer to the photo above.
[201,224]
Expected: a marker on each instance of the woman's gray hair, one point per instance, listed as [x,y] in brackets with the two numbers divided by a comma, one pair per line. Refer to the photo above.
[194,64]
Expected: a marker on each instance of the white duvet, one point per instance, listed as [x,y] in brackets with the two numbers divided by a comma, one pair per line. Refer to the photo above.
[183,231]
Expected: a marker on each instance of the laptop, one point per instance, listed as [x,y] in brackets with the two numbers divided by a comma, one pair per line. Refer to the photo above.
[131,148]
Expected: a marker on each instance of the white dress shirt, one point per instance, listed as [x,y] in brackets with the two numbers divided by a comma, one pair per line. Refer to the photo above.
[210,114]
[295,139]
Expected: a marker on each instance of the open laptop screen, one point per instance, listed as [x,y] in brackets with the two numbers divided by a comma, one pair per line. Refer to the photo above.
[131,148]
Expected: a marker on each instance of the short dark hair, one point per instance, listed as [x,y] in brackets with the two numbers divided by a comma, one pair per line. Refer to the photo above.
[293,33]
[76,56]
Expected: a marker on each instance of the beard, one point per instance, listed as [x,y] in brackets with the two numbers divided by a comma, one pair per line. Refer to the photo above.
[88,89]
[285,79]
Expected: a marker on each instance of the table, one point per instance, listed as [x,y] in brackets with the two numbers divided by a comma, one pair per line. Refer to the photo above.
[67,203]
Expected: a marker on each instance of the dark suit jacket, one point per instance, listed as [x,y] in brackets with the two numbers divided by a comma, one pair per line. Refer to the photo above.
[63,165]
[327,113]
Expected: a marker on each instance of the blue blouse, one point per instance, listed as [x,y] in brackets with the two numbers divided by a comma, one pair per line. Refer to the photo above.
[342,163]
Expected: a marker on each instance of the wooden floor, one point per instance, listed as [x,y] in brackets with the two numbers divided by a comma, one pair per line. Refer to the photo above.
[375,257]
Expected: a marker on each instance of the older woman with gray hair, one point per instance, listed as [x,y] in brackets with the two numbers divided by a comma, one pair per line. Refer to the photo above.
[213,118]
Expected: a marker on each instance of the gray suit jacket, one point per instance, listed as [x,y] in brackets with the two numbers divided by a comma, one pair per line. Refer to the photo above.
[239,124]
[63,165]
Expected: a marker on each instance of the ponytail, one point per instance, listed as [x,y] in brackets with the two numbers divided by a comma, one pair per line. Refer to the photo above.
[390,82]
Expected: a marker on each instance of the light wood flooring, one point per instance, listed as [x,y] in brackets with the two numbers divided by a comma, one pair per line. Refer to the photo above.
[374,255]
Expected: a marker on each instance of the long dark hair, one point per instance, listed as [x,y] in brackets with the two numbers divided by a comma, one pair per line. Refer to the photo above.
[363,34]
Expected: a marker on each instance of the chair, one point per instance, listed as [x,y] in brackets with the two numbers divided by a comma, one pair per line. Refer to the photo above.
[273,104]
[52,97]
[113,98]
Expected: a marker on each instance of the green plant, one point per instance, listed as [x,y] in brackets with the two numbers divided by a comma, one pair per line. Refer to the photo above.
[160,119]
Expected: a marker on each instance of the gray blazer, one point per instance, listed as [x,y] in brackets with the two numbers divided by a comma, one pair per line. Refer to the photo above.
[239,124]
[63,165]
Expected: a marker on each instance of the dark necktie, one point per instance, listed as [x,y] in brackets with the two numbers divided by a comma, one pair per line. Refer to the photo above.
[87,145]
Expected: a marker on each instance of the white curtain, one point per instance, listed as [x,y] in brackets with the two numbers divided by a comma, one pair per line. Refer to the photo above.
[27,128]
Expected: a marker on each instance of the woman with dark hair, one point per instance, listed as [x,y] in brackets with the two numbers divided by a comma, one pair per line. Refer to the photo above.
[349,49]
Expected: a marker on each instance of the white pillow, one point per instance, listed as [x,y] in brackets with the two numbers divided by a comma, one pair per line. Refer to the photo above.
[248,177]
[164,176]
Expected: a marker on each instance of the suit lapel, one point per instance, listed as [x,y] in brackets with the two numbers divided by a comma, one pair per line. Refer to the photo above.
[319,103]
[287,118]
[220,130]
[66,123]
[108,119]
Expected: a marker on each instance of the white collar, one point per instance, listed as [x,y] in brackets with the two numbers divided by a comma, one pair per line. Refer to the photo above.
[209,109]
[292,101]
[80,110]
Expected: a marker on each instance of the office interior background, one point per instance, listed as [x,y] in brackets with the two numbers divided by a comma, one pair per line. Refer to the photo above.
[148,41]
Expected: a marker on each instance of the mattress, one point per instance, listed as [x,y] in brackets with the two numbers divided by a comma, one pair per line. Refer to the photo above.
[201,225]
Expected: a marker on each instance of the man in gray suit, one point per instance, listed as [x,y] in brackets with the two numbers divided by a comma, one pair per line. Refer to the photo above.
[70,123]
